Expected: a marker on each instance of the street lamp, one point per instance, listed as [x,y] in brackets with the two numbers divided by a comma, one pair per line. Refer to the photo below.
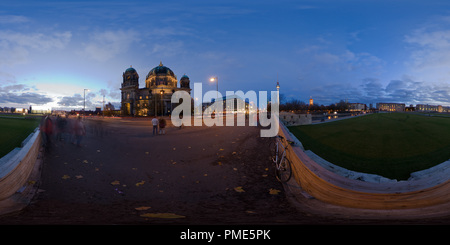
[212,79]
[84,106]
[162,106]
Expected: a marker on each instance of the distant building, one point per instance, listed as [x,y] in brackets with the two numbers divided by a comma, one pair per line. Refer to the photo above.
[391,106]
[432,108]
[311,102]
[356,107]
[109,107]
[98,110]
[155,97]
[410,108]
[40,109]
[231,103]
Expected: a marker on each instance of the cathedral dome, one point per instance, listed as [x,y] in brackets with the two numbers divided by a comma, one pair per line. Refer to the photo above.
[130,70]
[184,81]
[161,70]
[130,77]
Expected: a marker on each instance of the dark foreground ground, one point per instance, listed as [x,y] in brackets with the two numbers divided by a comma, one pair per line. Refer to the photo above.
[123,175]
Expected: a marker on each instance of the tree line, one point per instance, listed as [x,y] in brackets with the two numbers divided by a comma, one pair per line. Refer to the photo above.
[298,105]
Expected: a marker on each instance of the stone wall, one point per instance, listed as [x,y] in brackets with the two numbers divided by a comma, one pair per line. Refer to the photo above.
[292,119]
[16,167]
[335,189]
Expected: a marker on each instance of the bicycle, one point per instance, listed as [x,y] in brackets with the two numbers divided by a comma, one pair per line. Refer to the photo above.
[283,170]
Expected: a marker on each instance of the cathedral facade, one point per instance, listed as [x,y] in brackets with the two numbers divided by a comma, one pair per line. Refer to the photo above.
[155,97]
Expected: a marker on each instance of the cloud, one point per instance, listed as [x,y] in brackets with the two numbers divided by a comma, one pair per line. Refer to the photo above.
[15,47]
[103,46]
[429,48]
[166,49]
[18,94]
[71,101]
[24,98]
[13,19]
[12,88]
[325,61]
[78,101]
[371,90]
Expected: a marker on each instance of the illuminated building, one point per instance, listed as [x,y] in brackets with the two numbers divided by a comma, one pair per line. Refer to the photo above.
[432,108]
[391,106]
[155,97]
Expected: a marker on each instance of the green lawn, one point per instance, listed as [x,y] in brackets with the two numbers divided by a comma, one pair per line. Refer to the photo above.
[13,131]
[392,145]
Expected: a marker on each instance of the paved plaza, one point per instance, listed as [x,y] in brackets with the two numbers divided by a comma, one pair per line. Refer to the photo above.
[123,174]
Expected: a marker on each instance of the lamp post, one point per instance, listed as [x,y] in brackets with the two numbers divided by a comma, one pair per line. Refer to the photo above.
[162,106]
[84,104]
[212,79]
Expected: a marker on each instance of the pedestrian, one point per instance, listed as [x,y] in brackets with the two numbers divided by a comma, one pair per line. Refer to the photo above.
[79,130]
[47,131]
[155,125]
[61,127]
[70,130]
[162,125]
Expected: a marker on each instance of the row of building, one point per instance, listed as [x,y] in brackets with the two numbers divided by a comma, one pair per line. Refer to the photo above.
[24,111]
[419,107]
[13,110]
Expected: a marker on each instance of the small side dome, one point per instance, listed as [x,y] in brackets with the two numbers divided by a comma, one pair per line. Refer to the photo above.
[184,81]
[130,70]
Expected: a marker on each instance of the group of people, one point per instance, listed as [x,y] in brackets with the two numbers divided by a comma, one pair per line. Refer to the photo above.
[161,123]
[64,129]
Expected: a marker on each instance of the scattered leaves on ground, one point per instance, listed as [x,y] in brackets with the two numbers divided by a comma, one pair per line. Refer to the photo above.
[115,182]
[140,183]
[142,208]
[162,215]
[66,176]
[274,191]
[239,189]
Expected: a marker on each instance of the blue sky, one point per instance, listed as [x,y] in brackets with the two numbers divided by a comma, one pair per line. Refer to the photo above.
[362,51]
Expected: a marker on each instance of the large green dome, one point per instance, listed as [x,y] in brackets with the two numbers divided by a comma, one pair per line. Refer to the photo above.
[161,69]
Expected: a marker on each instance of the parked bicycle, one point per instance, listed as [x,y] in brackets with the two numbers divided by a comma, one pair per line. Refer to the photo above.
[283,170]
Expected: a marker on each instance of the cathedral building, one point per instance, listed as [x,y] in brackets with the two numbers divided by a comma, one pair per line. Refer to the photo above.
[155,97]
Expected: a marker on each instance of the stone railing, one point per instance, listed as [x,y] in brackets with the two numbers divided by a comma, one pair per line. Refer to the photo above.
[292,119]
[335,189]
[16,166]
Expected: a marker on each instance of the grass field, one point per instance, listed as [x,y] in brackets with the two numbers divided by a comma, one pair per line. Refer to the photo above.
[392,145]
[13,131]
